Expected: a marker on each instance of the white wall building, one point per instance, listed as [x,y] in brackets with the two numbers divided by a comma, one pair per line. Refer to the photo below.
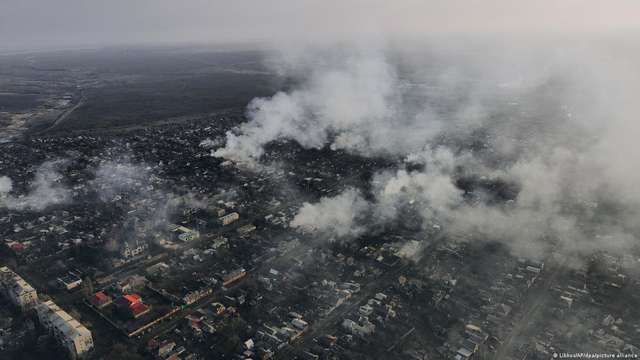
[133,249]
[72,335]
[229,218]
[18,291]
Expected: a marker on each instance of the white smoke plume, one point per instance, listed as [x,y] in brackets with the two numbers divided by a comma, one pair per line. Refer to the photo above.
[45,190]
[335,217]
[411,250]
[557,207]
[561,127]
[209,143]
[113,178]
[6,185]
[137,181]
[431,191]
[355,104]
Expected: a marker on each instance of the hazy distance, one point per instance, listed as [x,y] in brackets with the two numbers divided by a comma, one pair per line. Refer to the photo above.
[38,24]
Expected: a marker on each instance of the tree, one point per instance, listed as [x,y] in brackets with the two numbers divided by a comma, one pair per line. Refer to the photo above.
[120,351]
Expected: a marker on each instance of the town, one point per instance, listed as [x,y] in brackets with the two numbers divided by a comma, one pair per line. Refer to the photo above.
[156,249]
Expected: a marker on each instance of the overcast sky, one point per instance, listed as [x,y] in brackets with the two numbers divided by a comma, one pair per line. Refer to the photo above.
[31,24]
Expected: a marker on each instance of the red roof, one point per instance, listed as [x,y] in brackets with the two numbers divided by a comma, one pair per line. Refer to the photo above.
[17,246]
[138,308]
[127,301]
[132,299]
[99,299]
[100,296]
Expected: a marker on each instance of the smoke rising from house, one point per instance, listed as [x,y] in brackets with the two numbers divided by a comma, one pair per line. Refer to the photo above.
[43,191]
[138,182]
[352,103]
[6,185]
[113,178]
[337,217]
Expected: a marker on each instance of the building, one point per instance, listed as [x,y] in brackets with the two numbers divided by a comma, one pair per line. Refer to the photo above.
[364,330]
[196,295]
[132,305]
[219,242]
[246,229]
[299,324]
[233,276]
[157,269]
[100,300]
[18,291]
[70,281]
[475,333]
[463,354]
[186,234]
[131,249]
[131,283]
[165,348]
[72,335]
[229,218]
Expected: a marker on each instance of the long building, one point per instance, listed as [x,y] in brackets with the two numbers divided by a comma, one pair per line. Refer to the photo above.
[229,218]
[72,335]
[18,291]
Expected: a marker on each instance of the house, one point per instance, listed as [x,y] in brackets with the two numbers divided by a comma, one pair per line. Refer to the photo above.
[70,281]
[475,333]
[233,276]
[185,234]
[132,305]
[229,218]
[131,249]
[463,354]
[246,229]
[100,300]
[352,327]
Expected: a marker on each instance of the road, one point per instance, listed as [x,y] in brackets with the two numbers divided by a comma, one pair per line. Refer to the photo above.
[532,305]
[328,323]
[66,114]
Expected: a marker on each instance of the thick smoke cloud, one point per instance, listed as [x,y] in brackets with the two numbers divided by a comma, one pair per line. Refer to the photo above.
[44,190]
[339,100]
[556,127]
[348,99]
[337,217]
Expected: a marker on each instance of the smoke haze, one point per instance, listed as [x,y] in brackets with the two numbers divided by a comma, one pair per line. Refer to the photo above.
[45,190]
[124,177]
[523,115]
[6,185]
[336,217]
[555,121]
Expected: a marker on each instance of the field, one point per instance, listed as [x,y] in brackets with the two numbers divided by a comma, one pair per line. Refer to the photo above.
[117,87]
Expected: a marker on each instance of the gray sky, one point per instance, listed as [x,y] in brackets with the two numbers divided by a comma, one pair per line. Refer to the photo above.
[29,24]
